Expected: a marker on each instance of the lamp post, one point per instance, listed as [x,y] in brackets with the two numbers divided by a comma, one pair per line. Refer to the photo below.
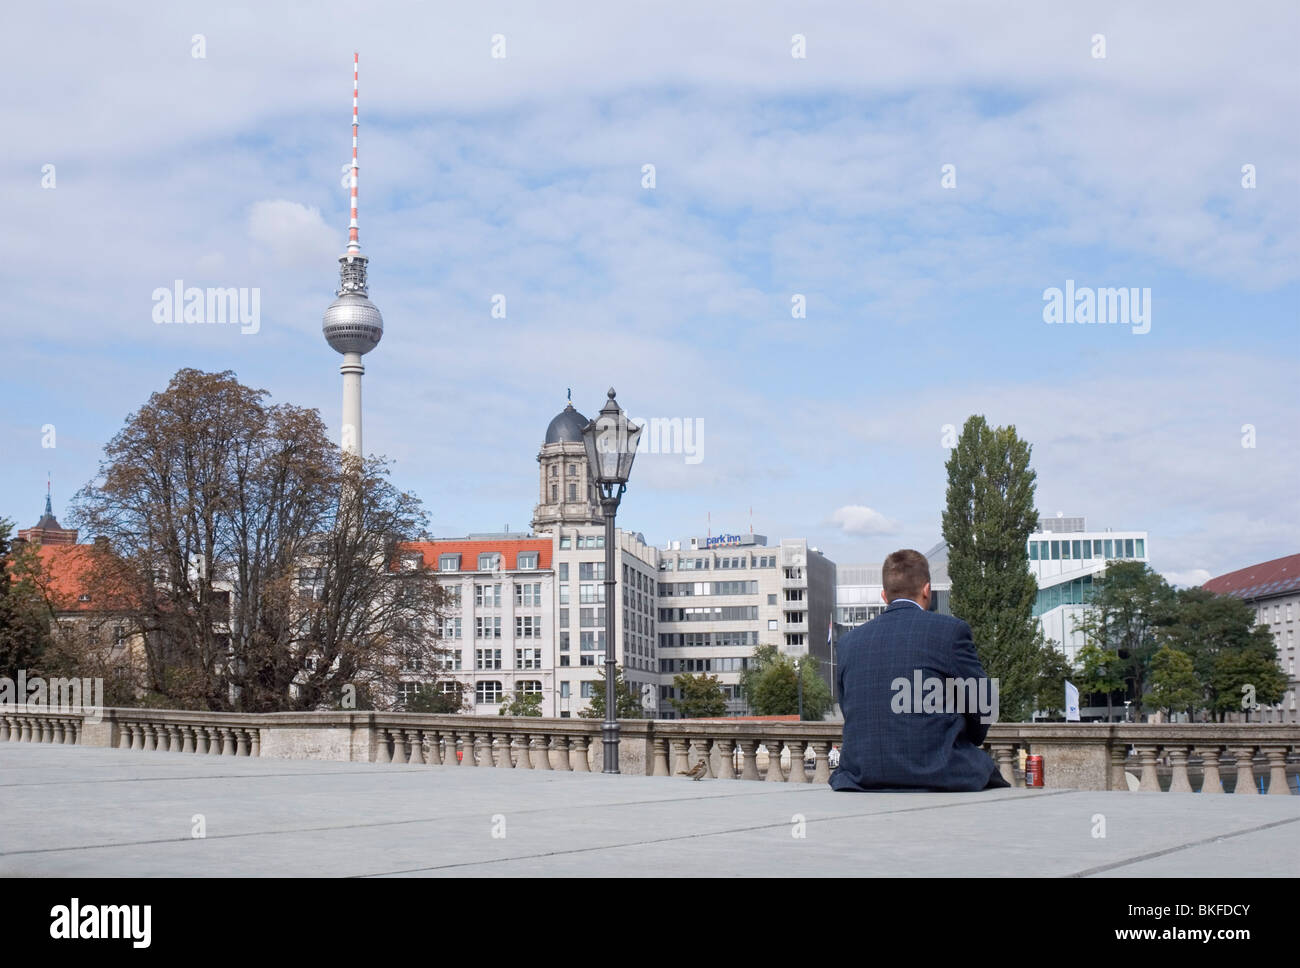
[611,442]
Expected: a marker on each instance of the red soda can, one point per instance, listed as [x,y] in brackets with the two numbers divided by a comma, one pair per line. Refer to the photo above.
[1033,771]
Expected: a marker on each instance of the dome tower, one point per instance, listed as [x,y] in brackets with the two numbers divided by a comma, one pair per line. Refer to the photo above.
[565,497]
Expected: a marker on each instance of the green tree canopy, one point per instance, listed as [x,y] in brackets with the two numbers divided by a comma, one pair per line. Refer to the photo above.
[523,704]
[1174,685]
[701,696]
[1099,671]
[1243,673]
[771,685]
[1129,606]
[628,705]
[986,524]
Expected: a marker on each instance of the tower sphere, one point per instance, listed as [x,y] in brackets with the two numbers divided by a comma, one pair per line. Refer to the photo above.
[352,324]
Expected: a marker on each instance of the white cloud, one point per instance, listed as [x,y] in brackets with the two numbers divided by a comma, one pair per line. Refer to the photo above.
[292,234]
[859,519]
[1187,579]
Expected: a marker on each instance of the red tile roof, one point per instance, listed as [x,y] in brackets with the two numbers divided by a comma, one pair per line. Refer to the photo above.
[1269,578]
[469,550]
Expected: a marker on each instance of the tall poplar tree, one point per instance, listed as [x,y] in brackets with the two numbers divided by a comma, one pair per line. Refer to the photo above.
[989,517]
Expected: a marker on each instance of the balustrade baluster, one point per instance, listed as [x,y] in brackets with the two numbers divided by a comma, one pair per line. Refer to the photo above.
[774,774]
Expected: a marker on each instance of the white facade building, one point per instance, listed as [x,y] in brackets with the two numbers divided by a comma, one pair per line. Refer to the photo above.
[1064,558]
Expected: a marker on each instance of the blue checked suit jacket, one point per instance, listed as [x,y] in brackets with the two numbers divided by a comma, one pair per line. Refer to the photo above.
[885,750]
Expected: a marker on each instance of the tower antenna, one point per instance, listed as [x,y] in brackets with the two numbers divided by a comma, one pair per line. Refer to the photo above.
[354,242]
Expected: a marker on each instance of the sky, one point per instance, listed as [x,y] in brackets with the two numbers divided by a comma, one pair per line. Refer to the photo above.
[207,143]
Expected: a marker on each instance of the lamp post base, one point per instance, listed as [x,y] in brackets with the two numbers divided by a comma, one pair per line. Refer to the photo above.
[609,742]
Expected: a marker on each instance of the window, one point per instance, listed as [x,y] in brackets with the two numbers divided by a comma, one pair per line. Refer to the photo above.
[588,688]
[564,641]
[450,661]
[564,571]
[588,659]
[564,689]
[453,595]
[487,658]
[1065,551]
[555,496]
[573,492]
[565,542]
[528,594]
[528,659]
[564,660]
[592,641]
[528,627]
[1033,551]
[488,596]
[771,624]
[590,594]
[451,628]
[564,618]
[527,560]
[487,628]
[1141,548]
[449,562]
[591,571]
[555,470]
[487,692]
[527,686]
[1076,553]
[592,618]
[1110,550]
[1087,550]
[490,561]
[1128,547]
[564,594]
[573,470]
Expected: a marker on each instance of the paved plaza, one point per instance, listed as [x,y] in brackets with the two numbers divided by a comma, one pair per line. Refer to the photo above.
[78,811]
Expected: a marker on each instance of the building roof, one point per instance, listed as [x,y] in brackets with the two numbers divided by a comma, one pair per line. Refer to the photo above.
[69,571]
[1277,577]
[566,427]
[469,550]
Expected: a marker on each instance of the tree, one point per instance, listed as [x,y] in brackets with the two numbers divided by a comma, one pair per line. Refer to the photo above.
[523,704]
[1246,678]
[1174,685]
[627,703]
[986,525]
[1054,670]
[702,696]
[1098,671]
[438,701]
[771,685]
[1205,626]
[267,573]
[1129,605]
[24,614]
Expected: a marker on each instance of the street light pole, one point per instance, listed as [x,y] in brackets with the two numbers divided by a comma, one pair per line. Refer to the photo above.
[610,441]
[609,732]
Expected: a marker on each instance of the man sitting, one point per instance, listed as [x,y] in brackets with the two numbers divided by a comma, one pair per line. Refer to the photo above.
[895,739]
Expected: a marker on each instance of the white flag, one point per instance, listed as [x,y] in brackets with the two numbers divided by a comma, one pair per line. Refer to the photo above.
[1071,702]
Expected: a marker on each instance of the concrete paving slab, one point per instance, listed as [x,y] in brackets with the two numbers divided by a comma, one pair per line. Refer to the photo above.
[76,811]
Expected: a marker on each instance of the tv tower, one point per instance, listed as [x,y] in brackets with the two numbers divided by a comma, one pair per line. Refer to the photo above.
[352,324]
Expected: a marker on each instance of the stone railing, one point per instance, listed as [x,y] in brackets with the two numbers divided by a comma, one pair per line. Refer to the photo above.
[1089,756]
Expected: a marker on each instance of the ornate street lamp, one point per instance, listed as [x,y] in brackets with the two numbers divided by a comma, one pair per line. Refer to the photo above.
[611,442]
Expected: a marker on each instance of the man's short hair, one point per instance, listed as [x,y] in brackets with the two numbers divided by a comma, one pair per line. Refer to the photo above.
[905,573]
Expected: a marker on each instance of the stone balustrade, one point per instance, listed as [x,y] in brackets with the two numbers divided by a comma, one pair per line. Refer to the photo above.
[1090,756]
